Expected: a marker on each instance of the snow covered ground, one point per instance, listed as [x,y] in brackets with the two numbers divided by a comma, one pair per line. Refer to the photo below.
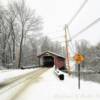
[49,87]
[7,75]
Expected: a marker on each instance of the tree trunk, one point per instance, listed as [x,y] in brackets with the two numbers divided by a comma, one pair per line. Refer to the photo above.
[20,52]
[3,52]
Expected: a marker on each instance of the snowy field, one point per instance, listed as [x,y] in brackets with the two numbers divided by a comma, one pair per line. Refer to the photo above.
[49,87]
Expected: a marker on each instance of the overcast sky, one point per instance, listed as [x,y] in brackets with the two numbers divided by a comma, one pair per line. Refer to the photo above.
[57,13]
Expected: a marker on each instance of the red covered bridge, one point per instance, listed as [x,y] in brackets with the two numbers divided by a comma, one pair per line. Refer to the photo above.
[49,59]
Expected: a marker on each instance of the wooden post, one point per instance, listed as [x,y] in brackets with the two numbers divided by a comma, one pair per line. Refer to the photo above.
[67,50]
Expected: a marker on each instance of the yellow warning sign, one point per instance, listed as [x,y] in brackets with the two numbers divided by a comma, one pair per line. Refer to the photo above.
[79,58]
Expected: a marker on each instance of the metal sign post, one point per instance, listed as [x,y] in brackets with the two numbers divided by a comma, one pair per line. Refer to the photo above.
[79,59]
[78,76]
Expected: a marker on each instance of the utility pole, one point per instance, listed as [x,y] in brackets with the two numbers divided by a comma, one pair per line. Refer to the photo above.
[67,49]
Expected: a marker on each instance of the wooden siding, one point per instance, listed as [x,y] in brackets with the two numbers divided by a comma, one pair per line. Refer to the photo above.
[59,62]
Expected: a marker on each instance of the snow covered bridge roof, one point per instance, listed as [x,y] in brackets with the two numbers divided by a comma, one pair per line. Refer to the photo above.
[52,53]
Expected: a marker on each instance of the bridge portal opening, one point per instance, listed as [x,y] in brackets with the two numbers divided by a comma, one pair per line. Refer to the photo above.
[48,61]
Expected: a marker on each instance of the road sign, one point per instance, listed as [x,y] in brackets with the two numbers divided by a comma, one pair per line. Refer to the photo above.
[79,58]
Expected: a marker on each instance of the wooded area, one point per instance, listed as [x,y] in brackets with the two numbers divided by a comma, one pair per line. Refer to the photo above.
[20,36]
[91,54]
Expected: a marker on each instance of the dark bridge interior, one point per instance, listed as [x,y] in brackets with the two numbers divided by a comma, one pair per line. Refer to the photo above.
[48,61]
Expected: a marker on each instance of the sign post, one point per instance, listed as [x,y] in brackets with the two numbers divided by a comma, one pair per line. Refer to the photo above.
[78,76]
[79,59]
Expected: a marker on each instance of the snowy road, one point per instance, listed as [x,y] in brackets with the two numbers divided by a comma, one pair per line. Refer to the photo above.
[47,86]
[9,76]
[11,91]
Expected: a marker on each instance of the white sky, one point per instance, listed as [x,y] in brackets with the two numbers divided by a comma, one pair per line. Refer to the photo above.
[57,13]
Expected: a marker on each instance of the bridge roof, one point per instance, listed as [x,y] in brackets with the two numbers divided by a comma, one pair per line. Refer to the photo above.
[52,53]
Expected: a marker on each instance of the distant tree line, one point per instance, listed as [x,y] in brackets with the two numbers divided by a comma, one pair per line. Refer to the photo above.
[21,37]
[91,54]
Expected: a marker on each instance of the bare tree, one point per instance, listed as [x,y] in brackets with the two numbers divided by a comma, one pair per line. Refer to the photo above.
[12,19]
[4,30]
[54,46]
[27,21]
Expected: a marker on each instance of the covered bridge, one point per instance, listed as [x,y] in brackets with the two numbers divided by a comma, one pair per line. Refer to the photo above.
[49,59]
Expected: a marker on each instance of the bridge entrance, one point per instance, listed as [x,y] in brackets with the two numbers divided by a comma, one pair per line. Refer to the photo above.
[48,61]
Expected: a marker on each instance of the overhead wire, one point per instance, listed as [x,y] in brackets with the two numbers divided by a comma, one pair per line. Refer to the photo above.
[86,28]
[80,32]
[79,10]
[72,19]
[83,30]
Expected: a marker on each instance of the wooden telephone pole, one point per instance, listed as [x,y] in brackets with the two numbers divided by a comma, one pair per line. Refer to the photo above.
[67,49]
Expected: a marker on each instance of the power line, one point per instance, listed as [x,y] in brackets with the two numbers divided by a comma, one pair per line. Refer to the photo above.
[86,28]
[83,30]
[79,10]
[72,19]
